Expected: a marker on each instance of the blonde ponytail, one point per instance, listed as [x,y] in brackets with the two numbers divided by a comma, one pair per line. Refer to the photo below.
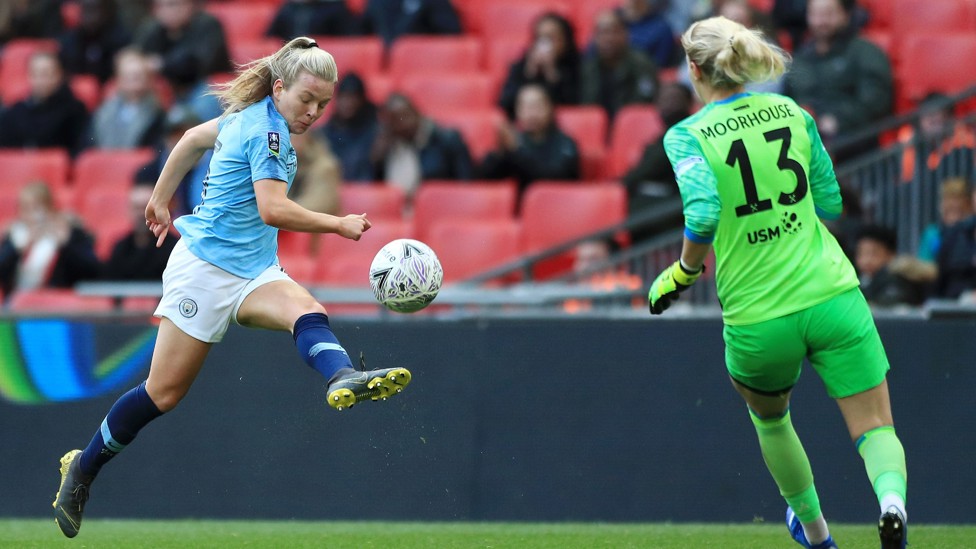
[730,55]
[255,79]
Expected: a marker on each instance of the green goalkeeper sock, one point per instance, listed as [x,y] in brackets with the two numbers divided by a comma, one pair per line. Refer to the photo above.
[884,460]
[788,464]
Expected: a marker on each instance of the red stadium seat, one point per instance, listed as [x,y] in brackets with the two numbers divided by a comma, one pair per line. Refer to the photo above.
[243,21]
[634,127]
[880,13]
[337,251]
[914,16]
[97,203]
[410,55]
[438,201]
[587,126]
[108,230]
[14,61]
[510,19]
[553,213]
[362,54]
[108,168]
[87,89]
[294,244]
[377,200]
[478,127]
[431,92]
[378,88]
[301,269]
[58,301]
[245,51]
[934,63]
[469,247]
[20,167]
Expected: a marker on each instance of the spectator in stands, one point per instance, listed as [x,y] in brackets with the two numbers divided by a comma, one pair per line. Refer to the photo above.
[30,19]
[313,18]
[44,248]
[411,148]
[883,283]
[537,149]
[614,74]
[316,186]
[132,117]
[649,30]
[179,119]
[956,260]
[90,48]
[947,144]
[51,116]
[955,205]
[391,19]
[136,256]
[790,16]
[552,60]
[591,270]
[352,128]
[652,179]
[186,45]
[844,80]
[743,13]
[133,14]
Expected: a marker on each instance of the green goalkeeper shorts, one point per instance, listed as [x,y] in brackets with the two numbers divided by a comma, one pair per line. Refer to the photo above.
[838,336]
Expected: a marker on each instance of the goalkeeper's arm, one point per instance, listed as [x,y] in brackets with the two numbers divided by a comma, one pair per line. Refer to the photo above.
[679,276]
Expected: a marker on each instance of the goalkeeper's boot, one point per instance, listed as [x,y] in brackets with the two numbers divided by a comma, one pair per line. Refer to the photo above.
[69,503]
[796,530]
[892,529]
[354,386]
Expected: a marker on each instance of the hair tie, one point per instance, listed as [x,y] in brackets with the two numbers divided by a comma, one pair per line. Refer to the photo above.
[311,44]
[731,38]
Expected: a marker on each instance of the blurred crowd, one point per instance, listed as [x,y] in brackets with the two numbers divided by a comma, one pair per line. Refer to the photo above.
[134,75]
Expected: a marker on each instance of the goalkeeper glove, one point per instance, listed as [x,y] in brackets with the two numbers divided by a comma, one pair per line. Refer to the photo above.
[669,284]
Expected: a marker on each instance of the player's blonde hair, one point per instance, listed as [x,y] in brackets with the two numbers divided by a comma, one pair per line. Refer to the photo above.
[730,55]
[256,79]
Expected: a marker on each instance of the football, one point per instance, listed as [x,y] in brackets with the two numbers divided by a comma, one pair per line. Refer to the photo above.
[405,275]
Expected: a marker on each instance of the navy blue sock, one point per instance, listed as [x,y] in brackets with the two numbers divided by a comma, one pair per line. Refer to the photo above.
[319,346]
[131,412]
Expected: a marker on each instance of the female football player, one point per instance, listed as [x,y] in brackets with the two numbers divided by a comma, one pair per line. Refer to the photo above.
[224,267]
[754,178]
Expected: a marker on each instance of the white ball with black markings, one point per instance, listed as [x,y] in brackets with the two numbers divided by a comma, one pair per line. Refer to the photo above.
[405,275]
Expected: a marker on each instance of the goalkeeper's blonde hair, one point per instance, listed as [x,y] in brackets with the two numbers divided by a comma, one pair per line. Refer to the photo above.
[730,55]
[256,79]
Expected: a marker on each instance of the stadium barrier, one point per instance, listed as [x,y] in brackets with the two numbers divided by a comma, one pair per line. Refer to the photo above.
[522,419]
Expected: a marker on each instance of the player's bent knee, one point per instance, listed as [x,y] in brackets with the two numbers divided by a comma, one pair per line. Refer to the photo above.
[165,399]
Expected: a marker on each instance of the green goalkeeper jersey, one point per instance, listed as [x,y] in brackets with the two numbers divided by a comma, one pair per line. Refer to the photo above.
[755,181]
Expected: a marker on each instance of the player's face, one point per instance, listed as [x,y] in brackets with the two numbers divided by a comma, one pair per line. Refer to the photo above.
[302,103]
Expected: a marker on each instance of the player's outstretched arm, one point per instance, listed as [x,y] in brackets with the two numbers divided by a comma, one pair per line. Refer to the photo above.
[277,210]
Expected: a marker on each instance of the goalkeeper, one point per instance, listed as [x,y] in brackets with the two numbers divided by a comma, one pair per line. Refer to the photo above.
[754,179]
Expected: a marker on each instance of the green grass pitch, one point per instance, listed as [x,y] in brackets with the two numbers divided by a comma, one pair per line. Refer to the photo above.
[97,534]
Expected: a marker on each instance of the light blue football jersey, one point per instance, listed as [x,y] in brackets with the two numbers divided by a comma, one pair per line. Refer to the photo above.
[225,229]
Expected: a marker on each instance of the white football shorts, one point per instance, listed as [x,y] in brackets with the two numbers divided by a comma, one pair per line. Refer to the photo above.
[202,299]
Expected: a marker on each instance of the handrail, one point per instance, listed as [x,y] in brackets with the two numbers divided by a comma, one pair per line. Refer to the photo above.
[657,218]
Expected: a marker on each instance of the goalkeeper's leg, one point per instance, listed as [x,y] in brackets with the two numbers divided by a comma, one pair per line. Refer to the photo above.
[787,463]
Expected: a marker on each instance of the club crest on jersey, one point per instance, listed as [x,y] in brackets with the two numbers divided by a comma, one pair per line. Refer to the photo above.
[274,144]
